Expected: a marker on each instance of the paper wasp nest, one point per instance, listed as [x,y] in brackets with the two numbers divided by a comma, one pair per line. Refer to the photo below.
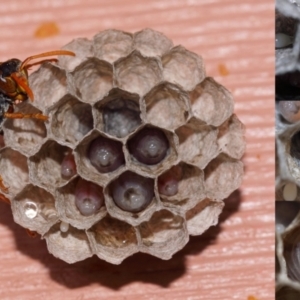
[287,46]
[139,151]
[288,200]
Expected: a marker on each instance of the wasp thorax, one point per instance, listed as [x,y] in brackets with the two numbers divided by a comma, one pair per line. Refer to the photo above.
[139,149]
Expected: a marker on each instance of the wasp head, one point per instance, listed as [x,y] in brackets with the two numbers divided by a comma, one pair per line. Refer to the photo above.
[14,80]
[14,75]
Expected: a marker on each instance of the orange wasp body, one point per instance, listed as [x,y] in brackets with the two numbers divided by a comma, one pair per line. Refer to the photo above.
[14,89]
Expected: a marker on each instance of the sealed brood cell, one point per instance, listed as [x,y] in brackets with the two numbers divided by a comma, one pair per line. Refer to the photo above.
[118,114]
[138,151]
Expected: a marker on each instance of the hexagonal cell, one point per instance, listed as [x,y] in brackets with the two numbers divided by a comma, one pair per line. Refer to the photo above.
[132,192]
[71,120]
[151,149]
[181,186]
[92,80]
[197,143]
[80,203]
[203,215]
[278,268]
[183,67]
[14,170]
[118,114]
[291,242]
[285,214]
[71,246]
[231,138]
[49,84]
[287,293]
[211,102]
[25,135]
[2,143]
[151,43]
[137,74]
[82,47]
[163,235]
[34,208]
[130,197]
[167,106]
[223,175]
[46,166]
[113,240]
[99,157]
[110,45]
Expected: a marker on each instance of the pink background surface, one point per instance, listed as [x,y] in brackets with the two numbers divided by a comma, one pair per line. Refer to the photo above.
[232,260]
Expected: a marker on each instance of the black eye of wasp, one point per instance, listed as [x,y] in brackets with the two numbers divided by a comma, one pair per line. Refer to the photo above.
[9,67]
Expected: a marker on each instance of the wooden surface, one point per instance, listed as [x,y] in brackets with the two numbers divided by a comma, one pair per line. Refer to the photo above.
[232,260]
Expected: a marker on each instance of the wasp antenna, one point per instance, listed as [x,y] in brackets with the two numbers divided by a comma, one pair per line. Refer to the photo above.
[45,54]
[28,66]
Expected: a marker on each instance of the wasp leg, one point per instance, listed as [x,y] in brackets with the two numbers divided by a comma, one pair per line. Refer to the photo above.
[3,188]
[27,116]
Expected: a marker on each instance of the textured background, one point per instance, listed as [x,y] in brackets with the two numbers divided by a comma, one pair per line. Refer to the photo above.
[232,260]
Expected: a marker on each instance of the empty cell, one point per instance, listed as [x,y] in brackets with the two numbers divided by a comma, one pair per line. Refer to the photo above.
[92,79]
[72,120]
[34,208]
[137,74]
[183,67]
[167,106]
[50,164]
[110,45]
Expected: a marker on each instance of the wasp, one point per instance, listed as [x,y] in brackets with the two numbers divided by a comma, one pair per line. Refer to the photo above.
[14,89]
